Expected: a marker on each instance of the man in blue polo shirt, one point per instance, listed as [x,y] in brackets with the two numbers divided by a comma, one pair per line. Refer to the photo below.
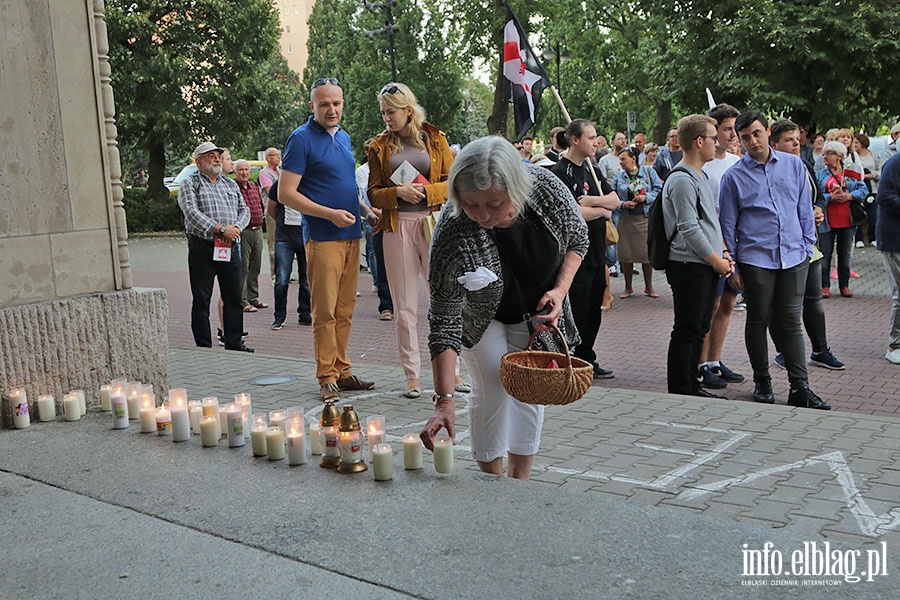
[318,179]
[768,225]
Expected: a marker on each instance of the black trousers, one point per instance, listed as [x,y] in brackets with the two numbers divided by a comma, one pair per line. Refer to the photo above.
[384,291]
[813,311]
[203,270]
[693,294]
[775,300]
[586,298]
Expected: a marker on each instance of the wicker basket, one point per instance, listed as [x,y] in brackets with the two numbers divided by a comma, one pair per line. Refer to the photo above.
[527,376]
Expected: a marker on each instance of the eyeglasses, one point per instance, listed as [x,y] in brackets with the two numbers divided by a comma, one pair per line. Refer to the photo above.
[325,80]
[714,138]
[673,136]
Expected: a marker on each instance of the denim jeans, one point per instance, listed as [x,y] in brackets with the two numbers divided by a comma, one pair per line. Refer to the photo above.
[844,238]
[284,262]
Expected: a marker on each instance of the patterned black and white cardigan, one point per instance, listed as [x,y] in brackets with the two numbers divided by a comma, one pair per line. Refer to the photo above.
[459,317]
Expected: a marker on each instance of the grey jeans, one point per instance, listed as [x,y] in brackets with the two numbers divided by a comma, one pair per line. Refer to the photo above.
[892,266]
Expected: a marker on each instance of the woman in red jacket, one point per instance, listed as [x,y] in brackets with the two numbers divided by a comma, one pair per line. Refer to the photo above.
[409,164]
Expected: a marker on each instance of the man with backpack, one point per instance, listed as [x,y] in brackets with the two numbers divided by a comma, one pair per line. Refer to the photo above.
[696,256]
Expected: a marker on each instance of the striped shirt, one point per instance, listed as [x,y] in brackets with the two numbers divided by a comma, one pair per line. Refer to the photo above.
[204,204]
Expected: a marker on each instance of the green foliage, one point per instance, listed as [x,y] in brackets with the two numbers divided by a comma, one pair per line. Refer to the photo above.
[339,48]
[146,215]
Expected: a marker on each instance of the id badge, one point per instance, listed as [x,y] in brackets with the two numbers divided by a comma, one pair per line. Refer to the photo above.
[221,249]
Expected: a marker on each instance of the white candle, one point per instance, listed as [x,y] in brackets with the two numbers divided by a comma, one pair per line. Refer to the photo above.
[383,462]
[71,407]
[330,442]
[244,400]
[315,439]
[350,446]
[46,407]
[148,414]
[412,452]
[133,395]
[178,396]
[234,419]
[443,455]
[296,445]
[209,431]
[119,408]
[18,405]
[275,442]
[181,419]
[163,420]
[196,412]
[258,439]
[277,418]
[82,401]
[375,431]
[104,398]
[210,407]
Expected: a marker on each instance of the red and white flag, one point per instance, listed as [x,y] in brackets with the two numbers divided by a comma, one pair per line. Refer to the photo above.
[524,75]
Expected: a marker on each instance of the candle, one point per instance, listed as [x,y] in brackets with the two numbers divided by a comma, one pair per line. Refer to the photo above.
[275,442]
[117,386]
[163,420]
[104,397]
[244,400]
[350,446]
[258,435]
[412,451]
[196,412]
[223,421]
[71,407]
[181,419]
[119,408]
[82,401]
[18,405]
[383,462]
[210,407]
[296,444]
[443,455]
[234,419]
[315,438]
[330,439]
[277,418]
[177,396]
[375,431]
[46,407]
[209,431]
[133,395]
[148,414]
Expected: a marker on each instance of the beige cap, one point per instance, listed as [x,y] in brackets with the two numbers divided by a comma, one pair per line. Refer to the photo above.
[206,147]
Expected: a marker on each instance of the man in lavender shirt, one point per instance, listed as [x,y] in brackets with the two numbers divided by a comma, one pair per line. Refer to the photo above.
[768,226]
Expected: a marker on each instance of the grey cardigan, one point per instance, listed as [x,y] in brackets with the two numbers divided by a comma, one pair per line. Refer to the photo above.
[459,317]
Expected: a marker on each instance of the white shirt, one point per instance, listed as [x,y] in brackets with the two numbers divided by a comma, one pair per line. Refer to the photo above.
[714,170]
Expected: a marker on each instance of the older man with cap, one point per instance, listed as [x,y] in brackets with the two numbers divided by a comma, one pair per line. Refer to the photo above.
[892,146]
[214,216]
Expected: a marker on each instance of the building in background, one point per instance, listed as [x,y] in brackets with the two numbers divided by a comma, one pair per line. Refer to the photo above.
[294,31]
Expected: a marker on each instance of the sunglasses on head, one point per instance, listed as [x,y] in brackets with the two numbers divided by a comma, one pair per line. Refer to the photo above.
[325,80]
[389,89]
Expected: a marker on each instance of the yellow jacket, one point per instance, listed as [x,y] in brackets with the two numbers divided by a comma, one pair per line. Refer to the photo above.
[383,191]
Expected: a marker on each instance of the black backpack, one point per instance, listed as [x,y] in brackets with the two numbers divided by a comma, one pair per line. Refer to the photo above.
[658,244]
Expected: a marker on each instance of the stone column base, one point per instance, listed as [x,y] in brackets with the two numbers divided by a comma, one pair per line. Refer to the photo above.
[83,342]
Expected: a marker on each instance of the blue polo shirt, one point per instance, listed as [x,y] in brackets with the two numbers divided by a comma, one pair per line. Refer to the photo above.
[325,161]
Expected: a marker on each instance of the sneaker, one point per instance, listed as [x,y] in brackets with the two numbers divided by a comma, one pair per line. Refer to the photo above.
[779,360]
[893,356]
[601,373]
[853,274]
[330,391]
[727,374]
[826,359]
[304,321]
[613,271]
[710,379]
[846,293]
[740,304]
[277,325]
[826,292]
[805,398]
[220,335]
[860,244]
[873,243]
[762,392]
[354,383]
[701,393]
[242,348]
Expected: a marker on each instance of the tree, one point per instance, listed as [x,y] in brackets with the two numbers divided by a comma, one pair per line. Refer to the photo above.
[187,70]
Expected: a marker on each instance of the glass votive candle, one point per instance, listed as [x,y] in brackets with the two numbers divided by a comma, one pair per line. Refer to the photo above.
[315,439]
[258,434]
[148,414]
[210,406]
[46,407]
[443,454]
[412,452]
[375,431]
[383,462]
[196,413]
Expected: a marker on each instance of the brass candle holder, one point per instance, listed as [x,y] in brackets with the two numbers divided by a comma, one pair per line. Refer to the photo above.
[350,443]
[330,422]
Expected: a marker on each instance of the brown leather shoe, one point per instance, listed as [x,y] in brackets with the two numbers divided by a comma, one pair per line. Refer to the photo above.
[354,384]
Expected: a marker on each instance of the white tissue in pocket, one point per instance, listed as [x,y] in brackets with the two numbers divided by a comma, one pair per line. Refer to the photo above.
[477,279]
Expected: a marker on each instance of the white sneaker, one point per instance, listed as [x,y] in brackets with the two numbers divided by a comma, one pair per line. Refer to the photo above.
[874,244]
[893,356]
[860,244]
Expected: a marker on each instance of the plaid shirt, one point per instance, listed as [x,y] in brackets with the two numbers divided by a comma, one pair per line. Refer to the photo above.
[250,192]
[204,204]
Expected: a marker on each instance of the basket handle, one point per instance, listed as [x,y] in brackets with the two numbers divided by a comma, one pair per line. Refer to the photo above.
[562,338]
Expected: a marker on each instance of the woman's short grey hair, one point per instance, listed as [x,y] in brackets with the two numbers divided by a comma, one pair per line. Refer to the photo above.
[837,147]
[489,163]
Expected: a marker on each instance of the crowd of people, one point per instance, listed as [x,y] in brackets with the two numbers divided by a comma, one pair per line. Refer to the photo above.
[513,242]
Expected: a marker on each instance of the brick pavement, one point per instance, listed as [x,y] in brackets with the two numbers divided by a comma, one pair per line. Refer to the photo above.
[632,340]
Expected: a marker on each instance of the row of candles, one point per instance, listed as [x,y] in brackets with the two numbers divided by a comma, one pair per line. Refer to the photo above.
[337,437]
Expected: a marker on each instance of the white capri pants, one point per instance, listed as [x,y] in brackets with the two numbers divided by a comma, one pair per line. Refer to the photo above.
[498,423]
